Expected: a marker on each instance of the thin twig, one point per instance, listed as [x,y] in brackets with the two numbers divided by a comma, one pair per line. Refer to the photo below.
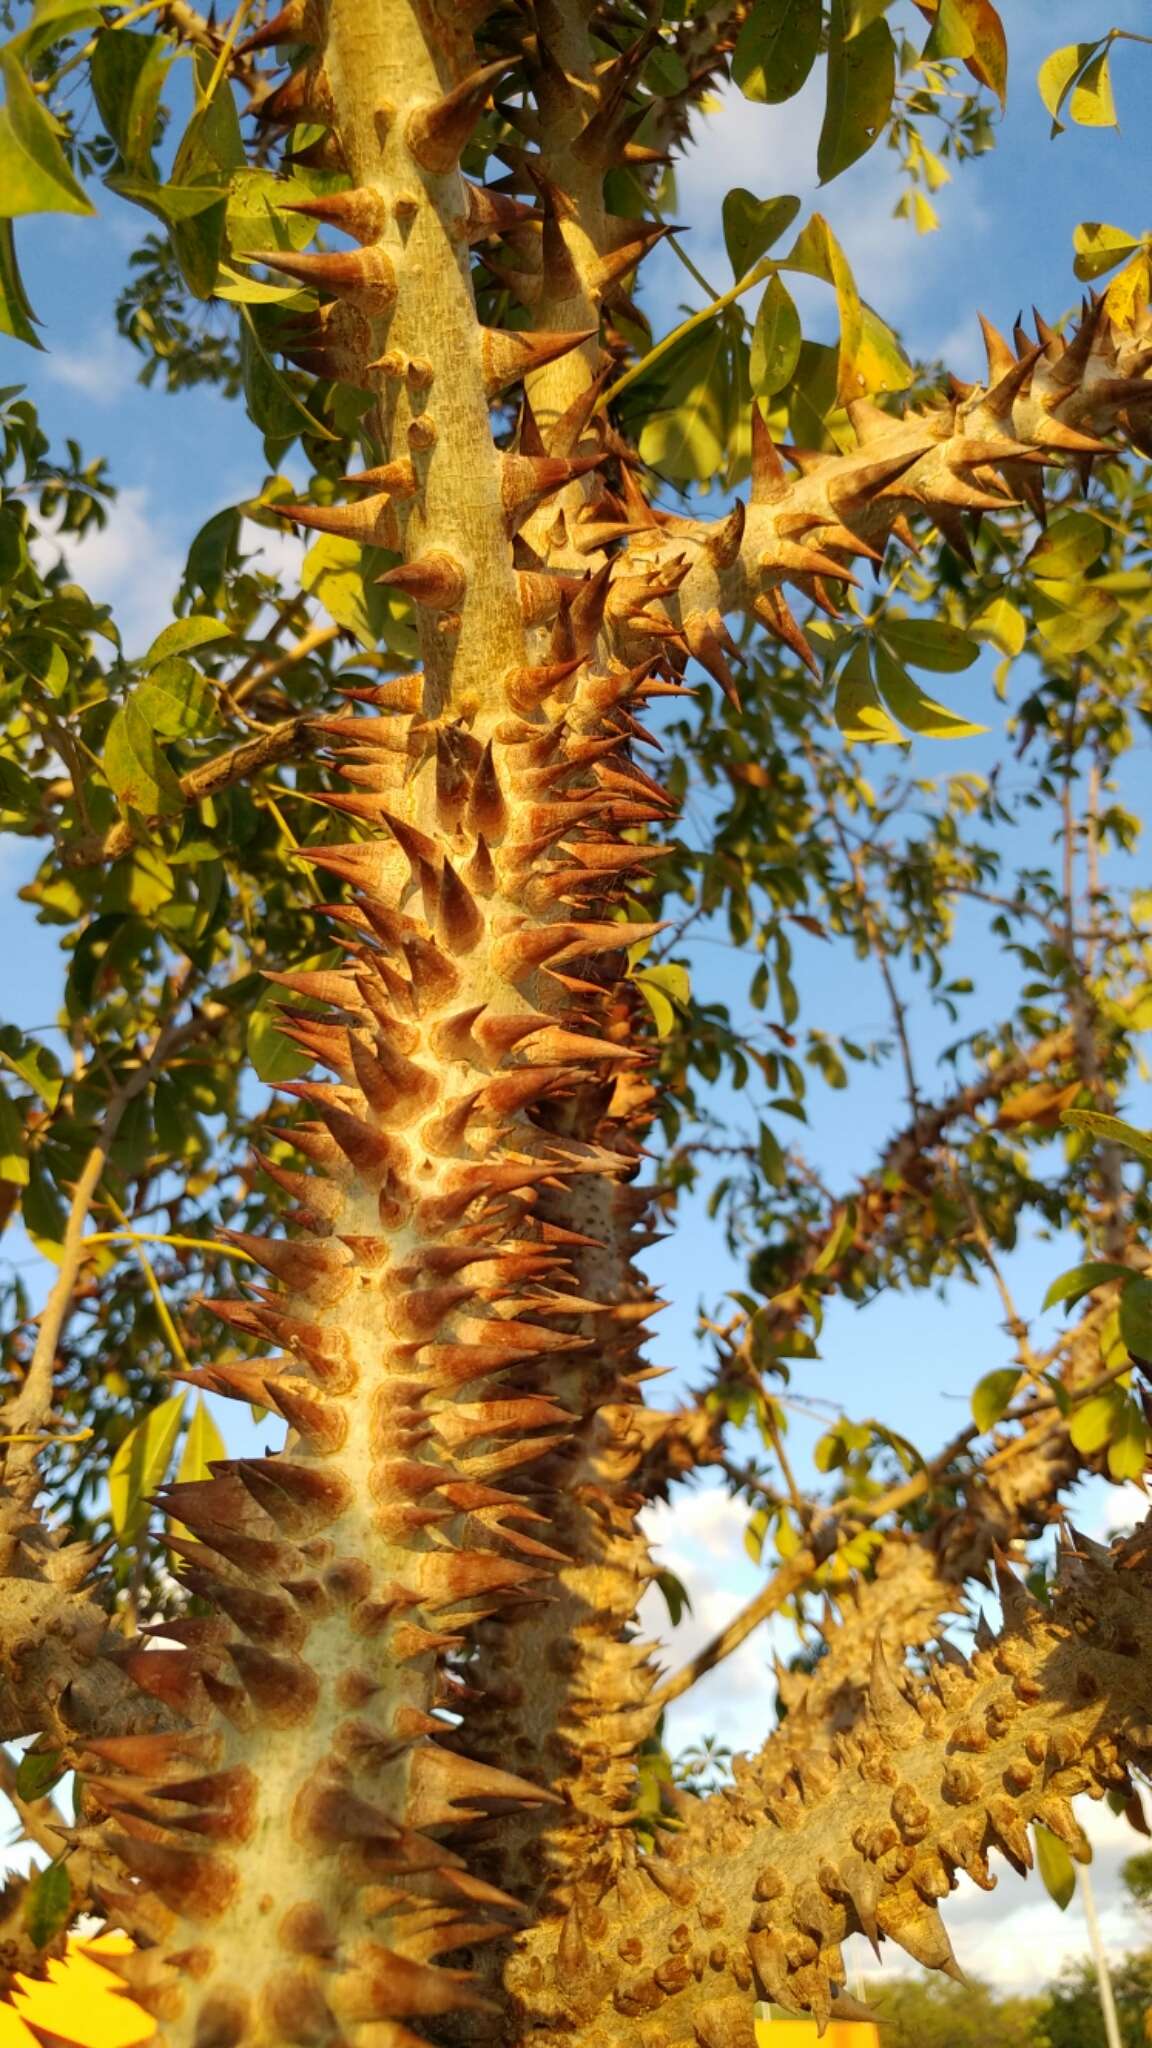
[27,1414]
[293,736]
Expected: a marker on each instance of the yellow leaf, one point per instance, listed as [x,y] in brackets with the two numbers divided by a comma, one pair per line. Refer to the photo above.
[1128,293]
[140,1464]
[1100,247]
[859,712]
[1090,102]
[918,712]
[870,357]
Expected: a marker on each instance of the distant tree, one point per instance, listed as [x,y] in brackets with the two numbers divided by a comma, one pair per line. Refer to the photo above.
[1073,2018]
[929,2013]
[1137,1875]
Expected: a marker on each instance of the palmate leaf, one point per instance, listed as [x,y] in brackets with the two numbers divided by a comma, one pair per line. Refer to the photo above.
[1076,79]
[917,712]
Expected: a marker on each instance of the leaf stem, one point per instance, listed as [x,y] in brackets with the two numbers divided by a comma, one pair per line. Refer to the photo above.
[756,275]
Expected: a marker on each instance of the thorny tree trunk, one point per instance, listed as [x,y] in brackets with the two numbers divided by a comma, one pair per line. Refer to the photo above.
[315,1849]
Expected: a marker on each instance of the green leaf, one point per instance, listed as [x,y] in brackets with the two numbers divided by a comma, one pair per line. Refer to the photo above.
[184,634]
[203,1445]
[687,439]
[43,1213]
[176,701]
[52,19]
[211,149]
[241,290]
[858,710]
[34,172]
[1111,1130]
[776,49]
[776,339]
[1128,1449]
[1093,1423]
[991,1396]
[870,357]
[333,570]
[256,211]
[37,1772]
[34,1064]
[1055,1865]
[272,401]
[664,988]
[127,73]
[1136,1318]
[879,362]
[214,551]
[1071,615]
[140,1465]
[16,315]
[830,1452]
[13,1147]
[1072,1286]
[1071,543]
[861,82]
[1001,623]
[928,643]
[170,203]
[675,1596]
[136,769]
[48,1904]
[1099,248]
[751,225]
[273,1056]
[917,712]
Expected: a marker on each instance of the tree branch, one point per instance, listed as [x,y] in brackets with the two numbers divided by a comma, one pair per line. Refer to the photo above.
[292,736]
[756,1892]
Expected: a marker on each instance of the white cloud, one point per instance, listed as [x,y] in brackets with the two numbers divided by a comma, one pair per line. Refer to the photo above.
[277,551]
[701,1538]
[102,372]
[134,564]
[1121,1507]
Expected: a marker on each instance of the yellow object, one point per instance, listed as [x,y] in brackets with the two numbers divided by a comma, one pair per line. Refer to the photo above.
[79,2002]
[85,2005]
[803,2034]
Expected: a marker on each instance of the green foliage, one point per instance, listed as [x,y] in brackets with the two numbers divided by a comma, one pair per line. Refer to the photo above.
[48,1904]
[1056,1868]
[927,2013]
[1072,2017]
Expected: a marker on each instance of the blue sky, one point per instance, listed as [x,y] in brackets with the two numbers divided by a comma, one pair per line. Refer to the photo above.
[1005,241]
